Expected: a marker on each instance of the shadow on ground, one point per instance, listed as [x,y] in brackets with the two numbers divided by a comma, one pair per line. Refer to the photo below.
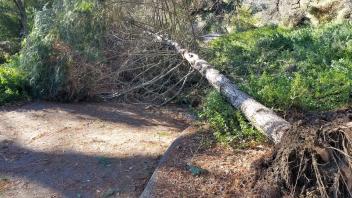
[70,174]
[83,149]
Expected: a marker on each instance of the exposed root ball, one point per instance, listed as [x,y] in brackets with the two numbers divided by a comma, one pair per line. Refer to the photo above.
[313,160]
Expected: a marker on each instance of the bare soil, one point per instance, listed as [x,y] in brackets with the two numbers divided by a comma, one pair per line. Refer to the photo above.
[82,150]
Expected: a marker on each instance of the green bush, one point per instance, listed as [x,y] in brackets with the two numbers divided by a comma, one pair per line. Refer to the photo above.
[229,125]
[12,83]
[66,38]
[308,68]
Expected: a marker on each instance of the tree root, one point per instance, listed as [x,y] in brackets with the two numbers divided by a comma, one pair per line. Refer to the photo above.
[311,161]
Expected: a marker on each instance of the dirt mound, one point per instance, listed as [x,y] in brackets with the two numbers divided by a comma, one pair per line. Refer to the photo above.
[313,159]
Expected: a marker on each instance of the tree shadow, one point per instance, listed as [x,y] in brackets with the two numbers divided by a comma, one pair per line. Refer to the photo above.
[73,174]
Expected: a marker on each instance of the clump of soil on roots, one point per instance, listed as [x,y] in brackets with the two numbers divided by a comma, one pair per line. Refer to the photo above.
[312,160]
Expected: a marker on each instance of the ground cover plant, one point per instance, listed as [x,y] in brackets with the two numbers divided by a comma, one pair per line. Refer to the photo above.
[229,125]
[307,68]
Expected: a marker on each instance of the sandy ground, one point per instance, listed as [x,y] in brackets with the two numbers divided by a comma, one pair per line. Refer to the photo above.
[82,150]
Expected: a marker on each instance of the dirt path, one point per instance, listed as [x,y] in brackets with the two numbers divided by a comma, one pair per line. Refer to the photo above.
[82,150]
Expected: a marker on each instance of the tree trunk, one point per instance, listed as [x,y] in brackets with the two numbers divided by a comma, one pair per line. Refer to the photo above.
[261,117]
[23,17]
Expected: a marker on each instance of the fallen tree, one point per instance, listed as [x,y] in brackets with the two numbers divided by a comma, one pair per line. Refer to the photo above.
[310,159]
[262,118]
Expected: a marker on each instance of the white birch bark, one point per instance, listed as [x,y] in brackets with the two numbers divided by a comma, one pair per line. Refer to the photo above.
[261,117]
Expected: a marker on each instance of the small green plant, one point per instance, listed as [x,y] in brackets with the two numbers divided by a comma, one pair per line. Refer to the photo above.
[195,170]
[110,192]
[163,134]
[104,161]
[229,125]
[12,83]
[84,6]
